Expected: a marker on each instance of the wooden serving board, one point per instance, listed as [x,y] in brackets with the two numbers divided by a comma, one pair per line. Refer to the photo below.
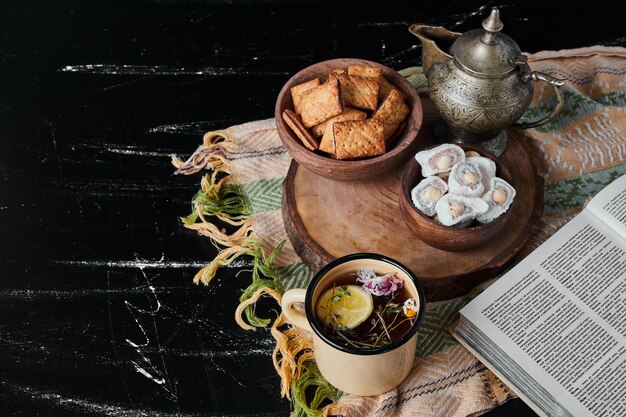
[326,219]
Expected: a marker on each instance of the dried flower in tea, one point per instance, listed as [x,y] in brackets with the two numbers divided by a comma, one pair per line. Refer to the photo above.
[372,315]
[378,285]
[409,308]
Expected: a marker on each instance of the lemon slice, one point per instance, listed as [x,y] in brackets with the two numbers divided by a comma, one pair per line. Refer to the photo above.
[346,305]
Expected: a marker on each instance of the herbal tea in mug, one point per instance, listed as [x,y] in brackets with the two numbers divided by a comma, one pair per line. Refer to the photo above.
[366,309]
[363,312]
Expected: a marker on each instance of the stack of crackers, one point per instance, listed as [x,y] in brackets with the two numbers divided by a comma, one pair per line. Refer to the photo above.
[352,115]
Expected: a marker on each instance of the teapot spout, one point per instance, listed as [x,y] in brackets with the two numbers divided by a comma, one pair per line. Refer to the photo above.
[435,41]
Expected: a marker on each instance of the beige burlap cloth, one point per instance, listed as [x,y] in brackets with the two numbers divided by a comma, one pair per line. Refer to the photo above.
[578,153]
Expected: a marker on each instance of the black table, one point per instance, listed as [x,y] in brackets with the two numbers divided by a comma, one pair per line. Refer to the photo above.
[98,315]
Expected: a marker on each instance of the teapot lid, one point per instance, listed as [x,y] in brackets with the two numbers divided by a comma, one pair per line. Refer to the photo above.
[487,52]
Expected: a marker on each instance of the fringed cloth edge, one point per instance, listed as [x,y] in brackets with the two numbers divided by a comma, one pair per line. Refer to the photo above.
[219,197]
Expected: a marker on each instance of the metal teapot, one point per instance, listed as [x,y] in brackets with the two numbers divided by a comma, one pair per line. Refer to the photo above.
[482,84]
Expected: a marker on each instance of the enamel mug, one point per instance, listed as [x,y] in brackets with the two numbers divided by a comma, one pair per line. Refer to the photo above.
[359,371]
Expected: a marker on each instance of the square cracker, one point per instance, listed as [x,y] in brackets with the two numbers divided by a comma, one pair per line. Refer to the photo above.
[385,88]
[297,90]
[363,71]
[327,143]
[358,138]
[391,113]
[376,72]
[298,128]
[348,114]
[358,91]
[321,103]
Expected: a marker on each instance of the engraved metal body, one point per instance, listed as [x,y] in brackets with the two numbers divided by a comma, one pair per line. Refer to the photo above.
[482,84]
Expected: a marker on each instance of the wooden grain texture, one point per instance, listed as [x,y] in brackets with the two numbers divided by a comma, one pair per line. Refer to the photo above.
[326,219]
[401,147]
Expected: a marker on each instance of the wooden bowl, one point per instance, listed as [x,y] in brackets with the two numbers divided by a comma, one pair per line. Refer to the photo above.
[450,238]
[402,147]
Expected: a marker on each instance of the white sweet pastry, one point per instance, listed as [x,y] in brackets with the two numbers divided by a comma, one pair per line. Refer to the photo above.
[439,159]
[426,194]
[458,225]
[486,166]
[466,180]
[498,198]
[455,209]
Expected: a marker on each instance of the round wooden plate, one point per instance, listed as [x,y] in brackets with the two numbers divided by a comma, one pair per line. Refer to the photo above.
[325,219]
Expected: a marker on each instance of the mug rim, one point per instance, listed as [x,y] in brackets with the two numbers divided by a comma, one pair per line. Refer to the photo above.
[310,315]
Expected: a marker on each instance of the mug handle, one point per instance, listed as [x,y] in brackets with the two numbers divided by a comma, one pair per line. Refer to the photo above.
[293,315]
[560,100]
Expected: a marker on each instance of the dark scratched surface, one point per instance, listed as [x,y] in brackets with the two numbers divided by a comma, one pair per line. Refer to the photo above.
[98,315]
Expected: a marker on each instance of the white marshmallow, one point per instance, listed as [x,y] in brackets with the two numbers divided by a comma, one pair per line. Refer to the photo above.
[448,205]
[487,168]
[424,194]
[439,159]
[495,210]
[466,179]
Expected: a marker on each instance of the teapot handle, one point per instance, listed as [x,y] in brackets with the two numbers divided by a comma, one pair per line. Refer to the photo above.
[560,100]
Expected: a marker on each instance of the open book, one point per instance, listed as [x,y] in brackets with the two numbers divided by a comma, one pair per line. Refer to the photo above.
[553,328]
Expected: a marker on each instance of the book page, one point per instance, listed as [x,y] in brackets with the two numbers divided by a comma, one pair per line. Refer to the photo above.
[609,205]
[561,315]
